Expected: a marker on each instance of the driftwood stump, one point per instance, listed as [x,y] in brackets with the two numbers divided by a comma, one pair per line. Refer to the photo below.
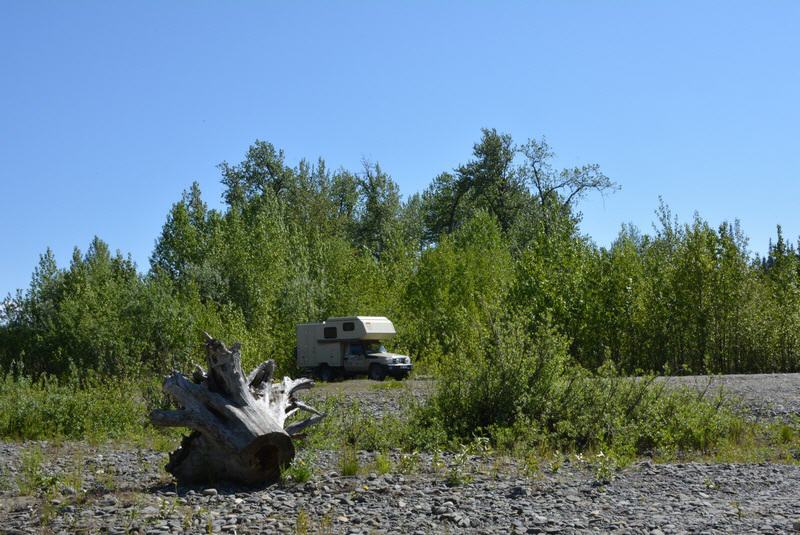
[237,421]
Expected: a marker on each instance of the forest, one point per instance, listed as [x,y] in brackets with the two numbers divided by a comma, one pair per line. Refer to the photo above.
[497,239]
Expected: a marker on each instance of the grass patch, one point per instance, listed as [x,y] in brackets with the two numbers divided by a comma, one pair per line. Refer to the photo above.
[348,461]
[88,408]
[387,384]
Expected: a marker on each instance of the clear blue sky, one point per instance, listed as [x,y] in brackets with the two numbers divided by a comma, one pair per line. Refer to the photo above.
[108,110]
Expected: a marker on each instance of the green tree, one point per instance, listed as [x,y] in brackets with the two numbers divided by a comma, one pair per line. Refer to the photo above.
[457,285]
[378,209]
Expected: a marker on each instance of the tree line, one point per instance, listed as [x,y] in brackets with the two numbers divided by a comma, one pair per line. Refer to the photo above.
[497,238]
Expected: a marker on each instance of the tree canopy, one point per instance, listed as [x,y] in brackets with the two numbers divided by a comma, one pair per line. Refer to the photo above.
[495,237]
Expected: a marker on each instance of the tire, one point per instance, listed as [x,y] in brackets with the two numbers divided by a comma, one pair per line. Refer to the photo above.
[377,372]
[325,373]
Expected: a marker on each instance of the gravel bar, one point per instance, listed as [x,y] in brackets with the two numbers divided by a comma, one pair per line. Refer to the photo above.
[116,489]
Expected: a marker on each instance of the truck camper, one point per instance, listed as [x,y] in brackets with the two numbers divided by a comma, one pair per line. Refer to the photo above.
[350,345]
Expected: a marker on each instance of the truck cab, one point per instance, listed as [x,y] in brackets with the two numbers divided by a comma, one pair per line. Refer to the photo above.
[350,345]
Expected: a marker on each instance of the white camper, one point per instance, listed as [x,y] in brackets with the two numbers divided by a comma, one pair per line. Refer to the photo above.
[349,346]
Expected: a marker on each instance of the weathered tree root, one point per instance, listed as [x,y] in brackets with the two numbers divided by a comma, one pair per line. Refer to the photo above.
[237,422]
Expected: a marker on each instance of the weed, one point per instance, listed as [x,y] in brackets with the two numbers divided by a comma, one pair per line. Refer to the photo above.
[106,478]
[326,525]
[188,517]
[785,434]
[530,465]
[301,524]
[32,478]
[5,480]
[556,462]
[133,515]
[348,461]
[47,510]
[382,463]
[299,471]
[496,467]
[547,399]
[604,468]
[70,408]
[167,508]
[408,463]
[209,522]
[456,475]
[737,507]
[437,463]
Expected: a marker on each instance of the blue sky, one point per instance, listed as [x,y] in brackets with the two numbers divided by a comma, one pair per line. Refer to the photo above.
[108,110]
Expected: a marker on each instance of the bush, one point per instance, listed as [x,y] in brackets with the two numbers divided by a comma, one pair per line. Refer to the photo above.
[525,389]
[72,408]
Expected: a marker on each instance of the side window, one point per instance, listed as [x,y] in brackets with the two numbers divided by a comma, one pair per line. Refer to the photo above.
[356,349]
[348,326]
[329,332]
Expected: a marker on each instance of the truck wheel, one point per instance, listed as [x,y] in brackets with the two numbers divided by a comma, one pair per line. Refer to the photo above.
[325,373]
[377,372]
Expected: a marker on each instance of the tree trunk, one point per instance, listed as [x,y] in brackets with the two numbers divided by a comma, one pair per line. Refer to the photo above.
[237,422]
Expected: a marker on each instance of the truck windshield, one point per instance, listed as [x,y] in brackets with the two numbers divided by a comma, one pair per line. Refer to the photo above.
[374,347]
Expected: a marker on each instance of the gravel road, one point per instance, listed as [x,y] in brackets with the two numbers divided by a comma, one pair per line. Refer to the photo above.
[112,489]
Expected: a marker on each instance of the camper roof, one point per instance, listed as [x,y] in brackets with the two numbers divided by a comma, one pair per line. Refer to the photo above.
[373,327]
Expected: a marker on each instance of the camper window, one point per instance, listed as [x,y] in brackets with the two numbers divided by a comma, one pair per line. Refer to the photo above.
[348,326]
[329,332]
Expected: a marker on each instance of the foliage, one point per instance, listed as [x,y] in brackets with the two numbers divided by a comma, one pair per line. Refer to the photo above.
[527,388]
[496,236]
[68,408]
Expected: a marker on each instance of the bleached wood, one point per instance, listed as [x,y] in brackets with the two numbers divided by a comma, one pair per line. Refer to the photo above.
[237,420]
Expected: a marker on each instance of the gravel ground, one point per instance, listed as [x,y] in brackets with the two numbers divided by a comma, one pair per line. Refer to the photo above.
[766,396]
[108,489]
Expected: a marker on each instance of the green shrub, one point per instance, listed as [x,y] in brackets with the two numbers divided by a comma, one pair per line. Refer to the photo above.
[409,429]
[521,388]
[72,408]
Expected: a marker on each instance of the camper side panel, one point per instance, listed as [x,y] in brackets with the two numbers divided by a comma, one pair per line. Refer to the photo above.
[305,349]
[313,351]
